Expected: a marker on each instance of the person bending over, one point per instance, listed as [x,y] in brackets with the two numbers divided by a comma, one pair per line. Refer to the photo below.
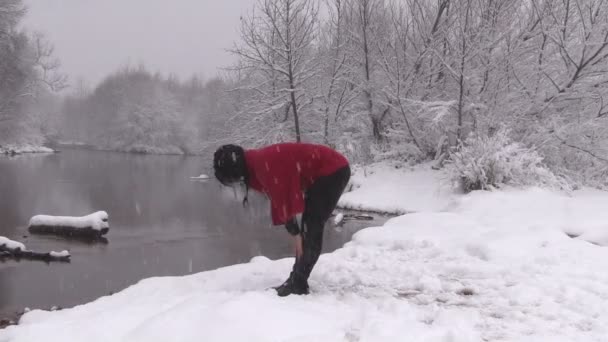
[303,182]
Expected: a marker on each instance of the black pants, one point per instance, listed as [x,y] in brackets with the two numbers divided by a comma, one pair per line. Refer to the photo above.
[321,200]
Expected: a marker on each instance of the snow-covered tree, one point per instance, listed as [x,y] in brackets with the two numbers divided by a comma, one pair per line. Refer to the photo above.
[366,25]
[336,90]
[133,110]
[563,81]
[28,71]
[276,64]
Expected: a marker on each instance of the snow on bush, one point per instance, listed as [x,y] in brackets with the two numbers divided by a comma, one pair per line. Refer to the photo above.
[397,150]
[487,162]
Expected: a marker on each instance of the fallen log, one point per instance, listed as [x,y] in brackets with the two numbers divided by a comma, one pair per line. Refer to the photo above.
[360,217]
[16,250]
[92,226]
[202,177]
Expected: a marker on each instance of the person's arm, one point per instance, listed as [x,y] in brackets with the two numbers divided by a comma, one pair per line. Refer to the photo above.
[293,227]
[287,201]
[287,205]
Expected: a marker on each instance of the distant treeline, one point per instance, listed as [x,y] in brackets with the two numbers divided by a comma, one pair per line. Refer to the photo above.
[134,110]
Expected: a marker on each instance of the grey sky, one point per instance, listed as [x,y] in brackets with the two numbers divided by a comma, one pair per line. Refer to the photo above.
[95,37]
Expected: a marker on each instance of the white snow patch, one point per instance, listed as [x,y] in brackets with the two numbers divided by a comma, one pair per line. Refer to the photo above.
[581,214]
[383,188]
[61,254]
[260,259]
[338,219]
[96,221]
[201,177]
[428,283]
[11,244]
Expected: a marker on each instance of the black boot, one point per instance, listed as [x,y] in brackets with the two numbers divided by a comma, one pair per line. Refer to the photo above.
[293,285]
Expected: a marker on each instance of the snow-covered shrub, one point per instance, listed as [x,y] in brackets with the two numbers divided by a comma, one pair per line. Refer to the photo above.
[356,146]
[487,162]
[398,147]
[579,151]
[400,152]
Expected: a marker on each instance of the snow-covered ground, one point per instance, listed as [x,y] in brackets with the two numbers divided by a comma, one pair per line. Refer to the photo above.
[480,267]
[384,188]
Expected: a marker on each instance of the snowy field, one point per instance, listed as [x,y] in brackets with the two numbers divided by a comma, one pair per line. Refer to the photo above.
[486,266]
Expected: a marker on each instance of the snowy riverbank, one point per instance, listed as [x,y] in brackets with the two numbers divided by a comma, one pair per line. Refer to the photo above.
[384,188]
[12,149]
[479,267]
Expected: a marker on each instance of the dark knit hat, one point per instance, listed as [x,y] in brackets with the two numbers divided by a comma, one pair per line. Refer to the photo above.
[229,164]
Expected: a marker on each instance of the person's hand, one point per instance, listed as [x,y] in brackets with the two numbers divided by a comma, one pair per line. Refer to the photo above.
[297,239]
[292,227]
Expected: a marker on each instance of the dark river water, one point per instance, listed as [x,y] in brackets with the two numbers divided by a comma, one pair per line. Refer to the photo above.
[161,223]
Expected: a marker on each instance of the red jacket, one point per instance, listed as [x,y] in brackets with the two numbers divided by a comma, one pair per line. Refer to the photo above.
[285,171]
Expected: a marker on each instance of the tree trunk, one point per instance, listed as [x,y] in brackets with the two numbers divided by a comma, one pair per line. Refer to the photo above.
[376,127]
[461,82]
[295,114]
[292,89]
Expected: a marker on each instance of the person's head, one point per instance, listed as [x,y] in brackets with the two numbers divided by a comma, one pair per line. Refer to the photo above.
[229,165]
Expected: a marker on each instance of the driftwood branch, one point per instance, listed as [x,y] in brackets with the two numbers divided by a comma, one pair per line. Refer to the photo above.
[18,254]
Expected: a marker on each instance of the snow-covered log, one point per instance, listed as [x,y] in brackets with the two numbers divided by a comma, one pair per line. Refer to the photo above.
[91,226]
[9,244]
[338,219]
[202,177]
[16,250]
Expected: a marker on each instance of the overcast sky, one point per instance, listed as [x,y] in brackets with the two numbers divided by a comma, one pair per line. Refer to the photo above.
[95,37]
